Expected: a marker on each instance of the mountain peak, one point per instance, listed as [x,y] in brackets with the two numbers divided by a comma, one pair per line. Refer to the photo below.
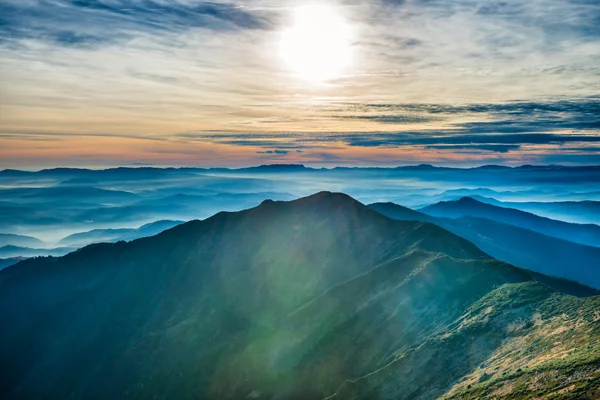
[469,200]
[223,305]
[267,203]
[276,168]
[331,198]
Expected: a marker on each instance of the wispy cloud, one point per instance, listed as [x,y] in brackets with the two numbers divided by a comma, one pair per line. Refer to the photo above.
[390,139]
[507,79]
[78,21]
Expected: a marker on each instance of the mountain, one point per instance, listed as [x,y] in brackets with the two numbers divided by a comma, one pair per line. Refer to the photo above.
[398,212]
[521,247]
[218,202]
[531,250]
[275,168]
[7,262]
[66,194]
[115,235]
[19,240]
[588,234]
[511,344]
[17,251]
[307,299]
[571,211]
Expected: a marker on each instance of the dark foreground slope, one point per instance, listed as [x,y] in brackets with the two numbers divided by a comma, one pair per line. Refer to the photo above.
[518,246]
[287,300]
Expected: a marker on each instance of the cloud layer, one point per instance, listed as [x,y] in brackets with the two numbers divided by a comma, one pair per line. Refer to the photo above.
[188,81]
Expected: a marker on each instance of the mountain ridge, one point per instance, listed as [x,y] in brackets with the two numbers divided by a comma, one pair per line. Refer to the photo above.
[287,299]
[292,167]
[588,234]
[518,246]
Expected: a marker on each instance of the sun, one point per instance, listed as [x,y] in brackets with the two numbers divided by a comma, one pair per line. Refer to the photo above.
[318,45]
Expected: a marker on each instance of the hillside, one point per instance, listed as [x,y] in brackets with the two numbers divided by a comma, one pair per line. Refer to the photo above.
[521,247]
[520,341]
[286,300]
[588,234]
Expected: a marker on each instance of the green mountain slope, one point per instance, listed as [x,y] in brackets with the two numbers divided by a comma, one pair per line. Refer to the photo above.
[520,341]
[286,300]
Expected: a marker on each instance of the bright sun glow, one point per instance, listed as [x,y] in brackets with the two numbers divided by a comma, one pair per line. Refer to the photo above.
[318,45]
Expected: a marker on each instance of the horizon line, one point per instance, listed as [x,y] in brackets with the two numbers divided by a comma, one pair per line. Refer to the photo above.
[298,166]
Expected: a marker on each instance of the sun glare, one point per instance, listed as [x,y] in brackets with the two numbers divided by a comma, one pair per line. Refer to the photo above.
[317,47]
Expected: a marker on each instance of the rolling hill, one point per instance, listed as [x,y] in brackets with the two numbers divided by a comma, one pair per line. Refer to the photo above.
[314,298]
[588,234]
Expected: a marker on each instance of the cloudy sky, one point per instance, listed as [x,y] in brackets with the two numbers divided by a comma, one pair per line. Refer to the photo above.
[333,82]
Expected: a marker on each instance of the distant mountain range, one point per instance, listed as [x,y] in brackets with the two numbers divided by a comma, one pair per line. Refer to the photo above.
[52,203]
[148,171]
[317,298]
[67,194]
[72,242]
[16,251]
[587,234]
[518,246]
[572,211]
[7,239]
[115,235]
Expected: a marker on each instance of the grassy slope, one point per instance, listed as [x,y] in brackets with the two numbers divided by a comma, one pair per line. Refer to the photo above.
[555,354]
[520,341]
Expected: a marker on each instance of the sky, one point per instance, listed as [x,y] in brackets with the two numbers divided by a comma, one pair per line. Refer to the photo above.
[333,82]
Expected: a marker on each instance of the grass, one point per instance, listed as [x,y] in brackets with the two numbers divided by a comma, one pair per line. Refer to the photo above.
[553,355]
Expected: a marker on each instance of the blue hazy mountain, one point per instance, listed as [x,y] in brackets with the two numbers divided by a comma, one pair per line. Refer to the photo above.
[115,235]
[66,194]
[219,201]
[401,213]
[16,251]
[312,298]
[7,239]
[572,211]
[522,195]
[587,234]
[521,247]
[7,262]
[52,203]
